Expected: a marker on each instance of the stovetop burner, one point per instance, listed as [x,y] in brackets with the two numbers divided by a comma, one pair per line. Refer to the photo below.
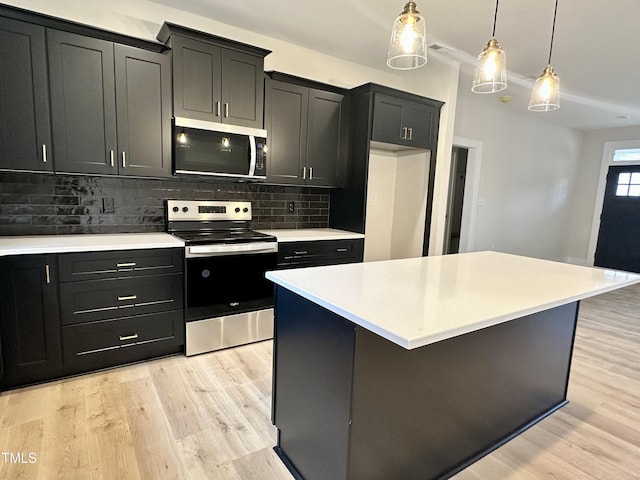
[221,236]
[211,222]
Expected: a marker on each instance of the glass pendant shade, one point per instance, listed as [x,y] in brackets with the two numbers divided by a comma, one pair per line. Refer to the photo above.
[408,44]
[491,71]
[545,95]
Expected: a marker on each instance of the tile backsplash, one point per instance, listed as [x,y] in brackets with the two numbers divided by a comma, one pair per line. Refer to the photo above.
[45,204]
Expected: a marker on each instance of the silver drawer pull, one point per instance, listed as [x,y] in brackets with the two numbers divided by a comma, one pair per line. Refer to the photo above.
[44,153]
[342,249]
[47,271]
[303,252]
[128,297]
[122,265]
[128,337]
[234,304]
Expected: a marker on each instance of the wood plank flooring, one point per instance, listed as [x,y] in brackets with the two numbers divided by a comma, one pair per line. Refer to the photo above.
[208,417]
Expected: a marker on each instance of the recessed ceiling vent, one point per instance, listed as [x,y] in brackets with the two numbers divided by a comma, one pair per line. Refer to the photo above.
[440,48]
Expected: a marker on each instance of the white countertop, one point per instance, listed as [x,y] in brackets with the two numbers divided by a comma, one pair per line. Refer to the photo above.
[34,244]
[311,234]
[418,301]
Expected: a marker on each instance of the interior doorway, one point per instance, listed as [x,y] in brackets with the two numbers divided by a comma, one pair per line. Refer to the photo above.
[457,181]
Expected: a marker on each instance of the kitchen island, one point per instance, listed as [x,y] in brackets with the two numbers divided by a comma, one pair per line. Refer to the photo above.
[417,368]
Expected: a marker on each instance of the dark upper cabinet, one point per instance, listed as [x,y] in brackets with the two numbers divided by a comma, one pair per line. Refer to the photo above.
[287,111]
[306,134]
[215,79]
[143,112]
[25,131]
[403,122]
[30,327]
[110,107]
[83,103]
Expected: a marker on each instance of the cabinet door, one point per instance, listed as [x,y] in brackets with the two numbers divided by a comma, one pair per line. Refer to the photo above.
[323,137]
[25,131]
[83,106]
[418,119]
[30,326]
[242,89]
[197,79]
[287,125]
[143,100]
[387,120]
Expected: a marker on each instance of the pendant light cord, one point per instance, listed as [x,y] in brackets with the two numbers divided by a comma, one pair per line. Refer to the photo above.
[553,31]
[495,19]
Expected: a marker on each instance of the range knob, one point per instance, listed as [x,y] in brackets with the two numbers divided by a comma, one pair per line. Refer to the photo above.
[237,209]
[175,209]
[245,209]
[185,209]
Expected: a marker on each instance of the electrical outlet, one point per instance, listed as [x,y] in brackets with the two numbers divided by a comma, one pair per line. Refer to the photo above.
[291,207]
[108,205]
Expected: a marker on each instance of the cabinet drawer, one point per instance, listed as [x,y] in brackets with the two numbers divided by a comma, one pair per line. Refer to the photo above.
[122,263]
[119,297]
[322,252]
[117,337]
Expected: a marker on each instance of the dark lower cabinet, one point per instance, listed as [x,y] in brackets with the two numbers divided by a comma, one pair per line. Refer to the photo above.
[29,319]
[77,312]
[320,252]
[25,130]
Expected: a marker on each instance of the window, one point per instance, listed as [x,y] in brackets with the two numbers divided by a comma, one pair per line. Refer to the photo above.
[626,155]
[628,184]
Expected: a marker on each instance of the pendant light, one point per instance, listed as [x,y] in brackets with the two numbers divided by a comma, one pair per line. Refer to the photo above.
[545,95]
[408,45]
[491,71]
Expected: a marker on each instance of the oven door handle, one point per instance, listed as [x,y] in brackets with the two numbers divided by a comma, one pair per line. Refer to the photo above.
[230,249]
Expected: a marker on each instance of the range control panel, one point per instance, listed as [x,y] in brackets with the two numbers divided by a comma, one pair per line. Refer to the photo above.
[195,210]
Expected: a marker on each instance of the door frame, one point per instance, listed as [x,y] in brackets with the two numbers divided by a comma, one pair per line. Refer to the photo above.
[607,161]
[471,191]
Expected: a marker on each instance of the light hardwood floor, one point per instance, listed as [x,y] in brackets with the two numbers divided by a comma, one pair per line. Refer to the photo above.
[208,417]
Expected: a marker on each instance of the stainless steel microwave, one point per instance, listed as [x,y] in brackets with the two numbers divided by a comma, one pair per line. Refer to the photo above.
[218,149]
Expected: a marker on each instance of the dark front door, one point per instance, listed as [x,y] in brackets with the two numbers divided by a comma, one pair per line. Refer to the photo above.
[619,238]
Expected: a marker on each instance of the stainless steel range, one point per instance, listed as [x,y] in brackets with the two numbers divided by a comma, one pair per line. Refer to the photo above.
[228,300]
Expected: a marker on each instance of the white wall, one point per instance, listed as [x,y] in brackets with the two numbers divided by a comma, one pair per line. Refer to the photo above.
[528,181]
[396,203]
[587,179]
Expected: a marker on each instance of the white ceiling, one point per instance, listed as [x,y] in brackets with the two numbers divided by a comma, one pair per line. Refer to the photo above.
[596,50]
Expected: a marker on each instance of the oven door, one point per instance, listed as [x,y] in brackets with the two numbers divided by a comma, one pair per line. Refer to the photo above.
[222,285]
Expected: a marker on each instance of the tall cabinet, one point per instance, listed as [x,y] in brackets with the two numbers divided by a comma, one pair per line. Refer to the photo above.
[391,119]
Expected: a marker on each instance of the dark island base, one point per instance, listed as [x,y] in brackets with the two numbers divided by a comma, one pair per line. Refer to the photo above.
[349,404]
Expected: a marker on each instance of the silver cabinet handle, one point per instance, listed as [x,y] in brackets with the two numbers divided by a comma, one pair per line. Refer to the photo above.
[303,252]
[47,272]
[217,109]
[226,110]
[404,133]
[129,264]
[128,297]
[44,153]
[304,173]
[111,156]
[310,173]
[342,250]
[124,159]
[410,133]
[128,337]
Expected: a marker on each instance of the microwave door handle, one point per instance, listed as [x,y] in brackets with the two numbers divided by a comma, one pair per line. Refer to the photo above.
[252,153]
